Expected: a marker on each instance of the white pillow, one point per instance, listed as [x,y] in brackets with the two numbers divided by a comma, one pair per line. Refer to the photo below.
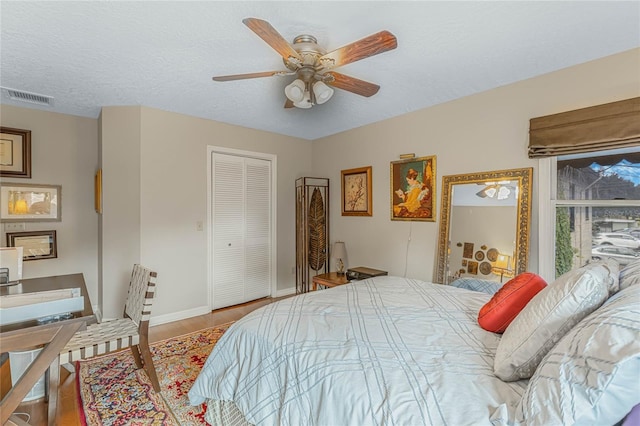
[592,376]
[630,275]
[614,271]
[547,317]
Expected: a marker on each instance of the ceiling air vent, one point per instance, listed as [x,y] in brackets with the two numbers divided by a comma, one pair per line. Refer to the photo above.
[32,98]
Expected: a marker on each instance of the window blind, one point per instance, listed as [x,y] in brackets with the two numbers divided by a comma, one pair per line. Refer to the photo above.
[608,126]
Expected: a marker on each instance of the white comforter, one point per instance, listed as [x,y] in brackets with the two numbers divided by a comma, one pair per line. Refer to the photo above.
[383,351]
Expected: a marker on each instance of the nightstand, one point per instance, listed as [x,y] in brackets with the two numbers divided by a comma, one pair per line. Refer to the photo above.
[332,279]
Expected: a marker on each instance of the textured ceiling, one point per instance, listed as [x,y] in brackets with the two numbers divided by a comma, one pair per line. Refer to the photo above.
[87,55]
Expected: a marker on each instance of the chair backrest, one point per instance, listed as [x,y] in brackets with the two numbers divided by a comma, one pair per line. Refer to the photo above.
[141,291]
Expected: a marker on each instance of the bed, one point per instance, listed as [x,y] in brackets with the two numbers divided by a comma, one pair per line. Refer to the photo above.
[386,350]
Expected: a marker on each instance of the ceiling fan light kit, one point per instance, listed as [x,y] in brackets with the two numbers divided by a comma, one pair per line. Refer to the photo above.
[313,66]
[295,91]
[322,92]
[305,103]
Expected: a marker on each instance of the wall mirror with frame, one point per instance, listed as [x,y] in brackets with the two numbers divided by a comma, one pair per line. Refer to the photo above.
[484,225]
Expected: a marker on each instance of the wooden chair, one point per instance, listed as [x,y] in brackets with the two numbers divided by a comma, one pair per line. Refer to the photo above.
[131,331]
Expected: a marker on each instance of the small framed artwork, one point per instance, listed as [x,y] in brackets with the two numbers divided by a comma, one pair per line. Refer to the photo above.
[15,152]
[467,251]
[464,262]
[30,203]
[413,184]
[35,245]
[356,192]
[472,267]
[479,255]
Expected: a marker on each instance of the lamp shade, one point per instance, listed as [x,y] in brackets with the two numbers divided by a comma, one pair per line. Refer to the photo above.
[339,250]
[322,92]
[295,91]
[503,261]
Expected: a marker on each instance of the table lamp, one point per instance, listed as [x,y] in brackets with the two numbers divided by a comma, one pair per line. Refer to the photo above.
[339,253]
[502,265]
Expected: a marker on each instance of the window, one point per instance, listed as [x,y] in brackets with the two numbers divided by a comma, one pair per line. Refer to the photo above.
[596,201]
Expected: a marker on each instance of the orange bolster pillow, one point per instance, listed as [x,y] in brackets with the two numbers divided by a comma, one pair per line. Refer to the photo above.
[506,304]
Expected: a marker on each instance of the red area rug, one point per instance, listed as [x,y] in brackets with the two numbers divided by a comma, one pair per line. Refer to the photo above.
[112,392]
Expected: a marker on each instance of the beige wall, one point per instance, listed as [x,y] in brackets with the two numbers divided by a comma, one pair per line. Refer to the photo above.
[64,152]
[486,131]
[171,156]
[120,221]
[154,171]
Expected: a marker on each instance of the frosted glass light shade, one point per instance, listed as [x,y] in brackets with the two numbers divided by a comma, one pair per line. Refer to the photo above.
[295,91]
[322,92]
[305,102]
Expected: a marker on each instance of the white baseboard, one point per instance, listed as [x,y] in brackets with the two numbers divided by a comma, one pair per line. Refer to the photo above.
[285,292]
[177,316]
[201,310]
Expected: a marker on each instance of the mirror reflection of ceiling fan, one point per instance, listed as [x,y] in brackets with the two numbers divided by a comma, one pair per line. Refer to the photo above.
[313,66]
[498,190]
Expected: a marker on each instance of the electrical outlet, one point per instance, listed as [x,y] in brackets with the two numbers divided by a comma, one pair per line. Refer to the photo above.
[14,227]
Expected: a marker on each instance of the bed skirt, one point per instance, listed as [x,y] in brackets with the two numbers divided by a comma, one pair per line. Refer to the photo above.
[224,413]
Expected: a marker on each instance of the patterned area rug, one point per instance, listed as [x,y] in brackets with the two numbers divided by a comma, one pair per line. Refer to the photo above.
[112,392]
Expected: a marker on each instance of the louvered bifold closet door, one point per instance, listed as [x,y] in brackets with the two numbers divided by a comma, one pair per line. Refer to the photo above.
[258,227]
[241,218]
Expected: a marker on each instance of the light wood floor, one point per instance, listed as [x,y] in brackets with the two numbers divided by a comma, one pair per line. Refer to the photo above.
[68,414]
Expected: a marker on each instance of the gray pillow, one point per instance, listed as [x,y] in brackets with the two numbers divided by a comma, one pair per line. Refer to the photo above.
[630,275]
[547,317]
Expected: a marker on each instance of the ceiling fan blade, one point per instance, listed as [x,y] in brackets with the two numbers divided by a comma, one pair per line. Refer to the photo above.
[288,103]
[351,84]
[368,46]
[246,76]
[265,31]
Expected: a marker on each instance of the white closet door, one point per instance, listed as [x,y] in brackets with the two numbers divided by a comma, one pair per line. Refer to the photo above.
[241,218]
[257,253]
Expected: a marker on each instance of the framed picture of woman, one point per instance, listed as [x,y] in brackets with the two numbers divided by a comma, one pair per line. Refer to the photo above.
[413,192]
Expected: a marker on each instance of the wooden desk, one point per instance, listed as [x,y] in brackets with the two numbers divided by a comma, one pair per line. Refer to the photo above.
[331,279]
[52,336]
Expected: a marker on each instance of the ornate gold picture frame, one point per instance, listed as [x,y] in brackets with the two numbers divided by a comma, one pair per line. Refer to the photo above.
[522,179]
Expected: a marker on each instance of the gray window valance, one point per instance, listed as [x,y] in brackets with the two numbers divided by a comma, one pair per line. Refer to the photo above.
[608,126]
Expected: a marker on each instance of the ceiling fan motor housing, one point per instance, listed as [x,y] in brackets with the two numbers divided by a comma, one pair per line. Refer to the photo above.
[307,47]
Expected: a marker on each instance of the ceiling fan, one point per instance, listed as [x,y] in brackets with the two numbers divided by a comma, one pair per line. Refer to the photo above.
[313,66]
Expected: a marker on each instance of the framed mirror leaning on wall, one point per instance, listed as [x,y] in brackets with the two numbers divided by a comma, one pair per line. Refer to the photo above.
[484,225]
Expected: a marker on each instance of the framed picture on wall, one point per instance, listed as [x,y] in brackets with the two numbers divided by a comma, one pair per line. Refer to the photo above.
[356,192]
[30,203]
[35,245]
[15,152]
[413,184]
